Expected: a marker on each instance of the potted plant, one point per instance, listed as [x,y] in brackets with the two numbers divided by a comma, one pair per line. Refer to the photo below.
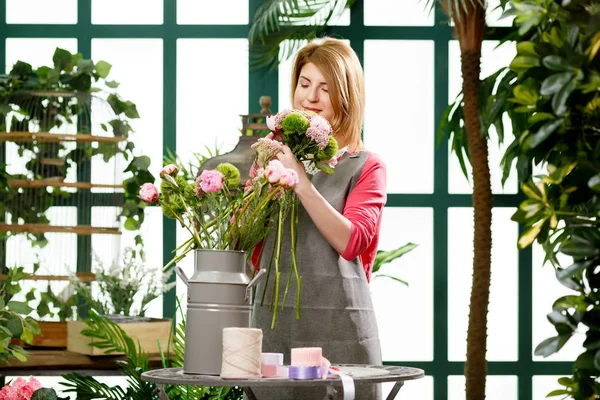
[125,289]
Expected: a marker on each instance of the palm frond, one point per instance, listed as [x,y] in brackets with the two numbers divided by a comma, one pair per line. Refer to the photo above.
[88,388]
[113,339]
[288,21]
[455,8]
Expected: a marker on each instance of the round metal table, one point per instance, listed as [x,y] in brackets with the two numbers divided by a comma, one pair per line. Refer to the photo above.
[361,374]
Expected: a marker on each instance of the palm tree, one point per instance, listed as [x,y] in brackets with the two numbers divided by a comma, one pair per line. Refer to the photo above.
[278,22]
[469,22]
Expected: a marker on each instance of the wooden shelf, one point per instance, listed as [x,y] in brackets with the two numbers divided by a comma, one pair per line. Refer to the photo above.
[43,228]
[47,137]
[58,362]
[25,183]
[82,276]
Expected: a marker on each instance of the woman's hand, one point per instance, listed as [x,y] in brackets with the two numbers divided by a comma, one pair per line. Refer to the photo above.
[288,160]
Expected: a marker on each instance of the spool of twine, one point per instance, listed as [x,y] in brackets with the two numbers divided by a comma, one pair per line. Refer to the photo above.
[242,348]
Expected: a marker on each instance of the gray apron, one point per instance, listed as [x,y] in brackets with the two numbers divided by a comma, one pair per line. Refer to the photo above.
[336,312]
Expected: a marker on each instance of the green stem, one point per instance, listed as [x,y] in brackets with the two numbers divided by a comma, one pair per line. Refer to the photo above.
[262,300]
[294,235]
[191,217]
[277,273]
[262,204]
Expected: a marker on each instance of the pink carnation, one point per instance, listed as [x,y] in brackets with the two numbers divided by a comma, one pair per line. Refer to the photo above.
[274,170]
[320,123]
[170,169]
[148,193]
[289,178]
[211,181]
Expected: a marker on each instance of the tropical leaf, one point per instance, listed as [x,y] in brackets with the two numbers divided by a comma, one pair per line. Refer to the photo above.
[88,388]
[113,339]
[281,27]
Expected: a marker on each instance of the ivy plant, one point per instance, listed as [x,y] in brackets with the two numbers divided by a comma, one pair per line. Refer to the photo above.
[47,98]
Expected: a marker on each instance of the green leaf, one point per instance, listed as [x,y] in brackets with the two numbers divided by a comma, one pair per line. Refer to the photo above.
[557,63]
[559,101]
[131,224]
[44,394]
[539,117]
[554,82]
[103,69]
[527,48]
[594,183]
[530,234]
[551,345]
[523,63]
[391,277]
[19,307]
[18,353]
[544,132]
[27,336]
[63,60]
[579,250]
[112,84]
[324,167]
[384,257]
[559,392]
[85,66]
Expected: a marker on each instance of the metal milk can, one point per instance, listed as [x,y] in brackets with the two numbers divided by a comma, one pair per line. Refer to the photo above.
[219,295]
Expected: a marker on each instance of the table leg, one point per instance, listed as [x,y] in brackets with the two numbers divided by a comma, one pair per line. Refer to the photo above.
[249,393]
[395,390]
[331,392]
[160,389]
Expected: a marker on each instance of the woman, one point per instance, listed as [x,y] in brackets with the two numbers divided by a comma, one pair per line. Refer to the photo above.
[339,224]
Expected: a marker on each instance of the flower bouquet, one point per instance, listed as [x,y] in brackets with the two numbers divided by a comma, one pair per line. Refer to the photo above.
[216,211]
[310,139]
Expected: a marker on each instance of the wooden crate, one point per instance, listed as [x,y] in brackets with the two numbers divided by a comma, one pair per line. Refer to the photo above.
[54,335]
[146,332]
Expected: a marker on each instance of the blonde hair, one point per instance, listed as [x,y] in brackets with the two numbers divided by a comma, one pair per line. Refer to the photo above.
[343,73]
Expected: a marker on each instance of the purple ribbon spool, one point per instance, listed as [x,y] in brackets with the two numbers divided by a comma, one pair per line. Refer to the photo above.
[297,372]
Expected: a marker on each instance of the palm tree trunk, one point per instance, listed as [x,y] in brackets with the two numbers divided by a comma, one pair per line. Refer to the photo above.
[476,364]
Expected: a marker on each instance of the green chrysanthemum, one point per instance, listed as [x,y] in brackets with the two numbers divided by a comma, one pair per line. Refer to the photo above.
[295,122]
[231,175]
[328,152]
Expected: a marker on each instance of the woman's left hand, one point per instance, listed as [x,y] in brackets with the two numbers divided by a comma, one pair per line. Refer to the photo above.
[288,160]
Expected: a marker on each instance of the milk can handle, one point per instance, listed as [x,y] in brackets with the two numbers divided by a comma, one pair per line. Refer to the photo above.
[257,278]
[181,274]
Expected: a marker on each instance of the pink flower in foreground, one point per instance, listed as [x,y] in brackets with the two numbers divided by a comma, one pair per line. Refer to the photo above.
[148,193]
[320,123]
[274,170]
[170,169]
[271,122]
[211,181]
[289,178]
[20,389]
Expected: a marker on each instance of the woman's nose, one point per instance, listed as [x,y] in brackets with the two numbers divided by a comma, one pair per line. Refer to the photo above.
[313,96]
